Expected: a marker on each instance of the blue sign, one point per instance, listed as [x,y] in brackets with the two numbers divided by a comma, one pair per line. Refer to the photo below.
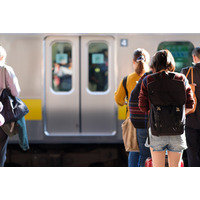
[62,58]
[97,58]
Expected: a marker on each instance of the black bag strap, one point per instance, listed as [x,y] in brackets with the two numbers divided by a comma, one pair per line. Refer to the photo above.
[124,84]
[171,75]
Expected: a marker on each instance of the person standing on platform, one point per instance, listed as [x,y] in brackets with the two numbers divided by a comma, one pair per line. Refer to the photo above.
[13,85]
[193,119]
[167,116]
[140,65]
[139,120]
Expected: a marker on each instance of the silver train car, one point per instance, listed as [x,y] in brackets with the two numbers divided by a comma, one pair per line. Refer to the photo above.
[68,81]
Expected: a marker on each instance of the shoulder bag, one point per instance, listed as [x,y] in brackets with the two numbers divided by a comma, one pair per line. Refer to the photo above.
[128,130]
[13,108]
[129,136]
[192,85]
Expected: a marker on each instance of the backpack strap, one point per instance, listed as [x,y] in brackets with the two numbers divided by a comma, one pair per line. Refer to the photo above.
[171,75]
[158,76]
[124,84]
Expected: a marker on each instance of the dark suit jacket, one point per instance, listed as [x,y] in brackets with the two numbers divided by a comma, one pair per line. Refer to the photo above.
[193,120]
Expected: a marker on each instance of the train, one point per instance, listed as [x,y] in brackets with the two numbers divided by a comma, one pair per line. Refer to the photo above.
[68,80]
[83,109]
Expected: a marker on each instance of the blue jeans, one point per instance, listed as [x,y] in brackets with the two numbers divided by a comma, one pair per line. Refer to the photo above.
[137,159]
[144,151]
[23,138]
[133,159]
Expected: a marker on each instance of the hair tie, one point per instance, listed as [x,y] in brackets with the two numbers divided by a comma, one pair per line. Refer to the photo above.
[140,58]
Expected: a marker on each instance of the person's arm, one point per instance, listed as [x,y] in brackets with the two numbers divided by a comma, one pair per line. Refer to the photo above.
[143,97]
[12,81]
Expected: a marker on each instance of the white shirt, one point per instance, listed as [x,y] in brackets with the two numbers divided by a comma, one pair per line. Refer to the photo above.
[11,80]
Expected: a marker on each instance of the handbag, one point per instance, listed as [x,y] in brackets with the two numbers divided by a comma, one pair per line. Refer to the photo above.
[129,136]
[128,130]
[10,129]
[13,107]
[192,85]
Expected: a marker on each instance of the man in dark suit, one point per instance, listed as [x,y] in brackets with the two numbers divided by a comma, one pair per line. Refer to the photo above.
[193,120]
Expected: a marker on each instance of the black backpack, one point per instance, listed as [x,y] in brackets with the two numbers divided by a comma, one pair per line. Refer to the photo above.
[167,111]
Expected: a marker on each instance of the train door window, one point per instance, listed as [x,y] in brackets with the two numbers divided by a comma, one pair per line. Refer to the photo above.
[62,66]
[98,67]
[181,51]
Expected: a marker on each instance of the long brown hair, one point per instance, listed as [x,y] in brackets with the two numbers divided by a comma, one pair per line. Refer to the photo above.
[141,58]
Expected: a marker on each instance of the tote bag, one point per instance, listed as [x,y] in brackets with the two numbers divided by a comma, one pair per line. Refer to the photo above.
[129,136]
[13,107]
[192,85]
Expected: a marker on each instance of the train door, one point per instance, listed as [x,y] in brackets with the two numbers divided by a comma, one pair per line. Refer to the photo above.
[79,86]
[97,86]
[61,98]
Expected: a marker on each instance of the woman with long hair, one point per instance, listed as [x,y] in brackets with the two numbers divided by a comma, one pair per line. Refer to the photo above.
[140,66]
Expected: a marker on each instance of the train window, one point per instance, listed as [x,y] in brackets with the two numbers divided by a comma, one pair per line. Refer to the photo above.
[61,66]
[181,51]
[98,67]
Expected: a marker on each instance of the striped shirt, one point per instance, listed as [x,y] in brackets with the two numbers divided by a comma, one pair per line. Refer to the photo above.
[138,118]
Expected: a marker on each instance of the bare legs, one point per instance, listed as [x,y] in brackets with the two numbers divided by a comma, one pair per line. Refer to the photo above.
[174,159]
[158,157]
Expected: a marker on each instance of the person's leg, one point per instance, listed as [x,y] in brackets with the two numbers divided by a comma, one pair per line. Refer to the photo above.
[158,158]
[144,151]
[192,136]
[133,159]
[3,147]
[174,159]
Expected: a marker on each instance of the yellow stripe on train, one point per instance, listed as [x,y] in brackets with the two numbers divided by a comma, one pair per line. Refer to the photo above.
[35,109]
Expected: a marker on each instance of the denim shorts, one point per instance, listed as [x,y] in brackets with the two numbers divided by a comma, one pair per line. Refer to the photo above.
[175,143]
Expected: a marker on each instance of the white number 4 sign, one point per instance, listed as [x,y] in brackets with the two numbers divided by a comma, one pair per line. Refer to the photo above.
[124,42]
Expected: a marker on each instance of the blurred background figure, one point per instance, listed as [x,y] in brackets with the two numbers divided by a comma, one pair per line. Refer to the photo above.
[13,85]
